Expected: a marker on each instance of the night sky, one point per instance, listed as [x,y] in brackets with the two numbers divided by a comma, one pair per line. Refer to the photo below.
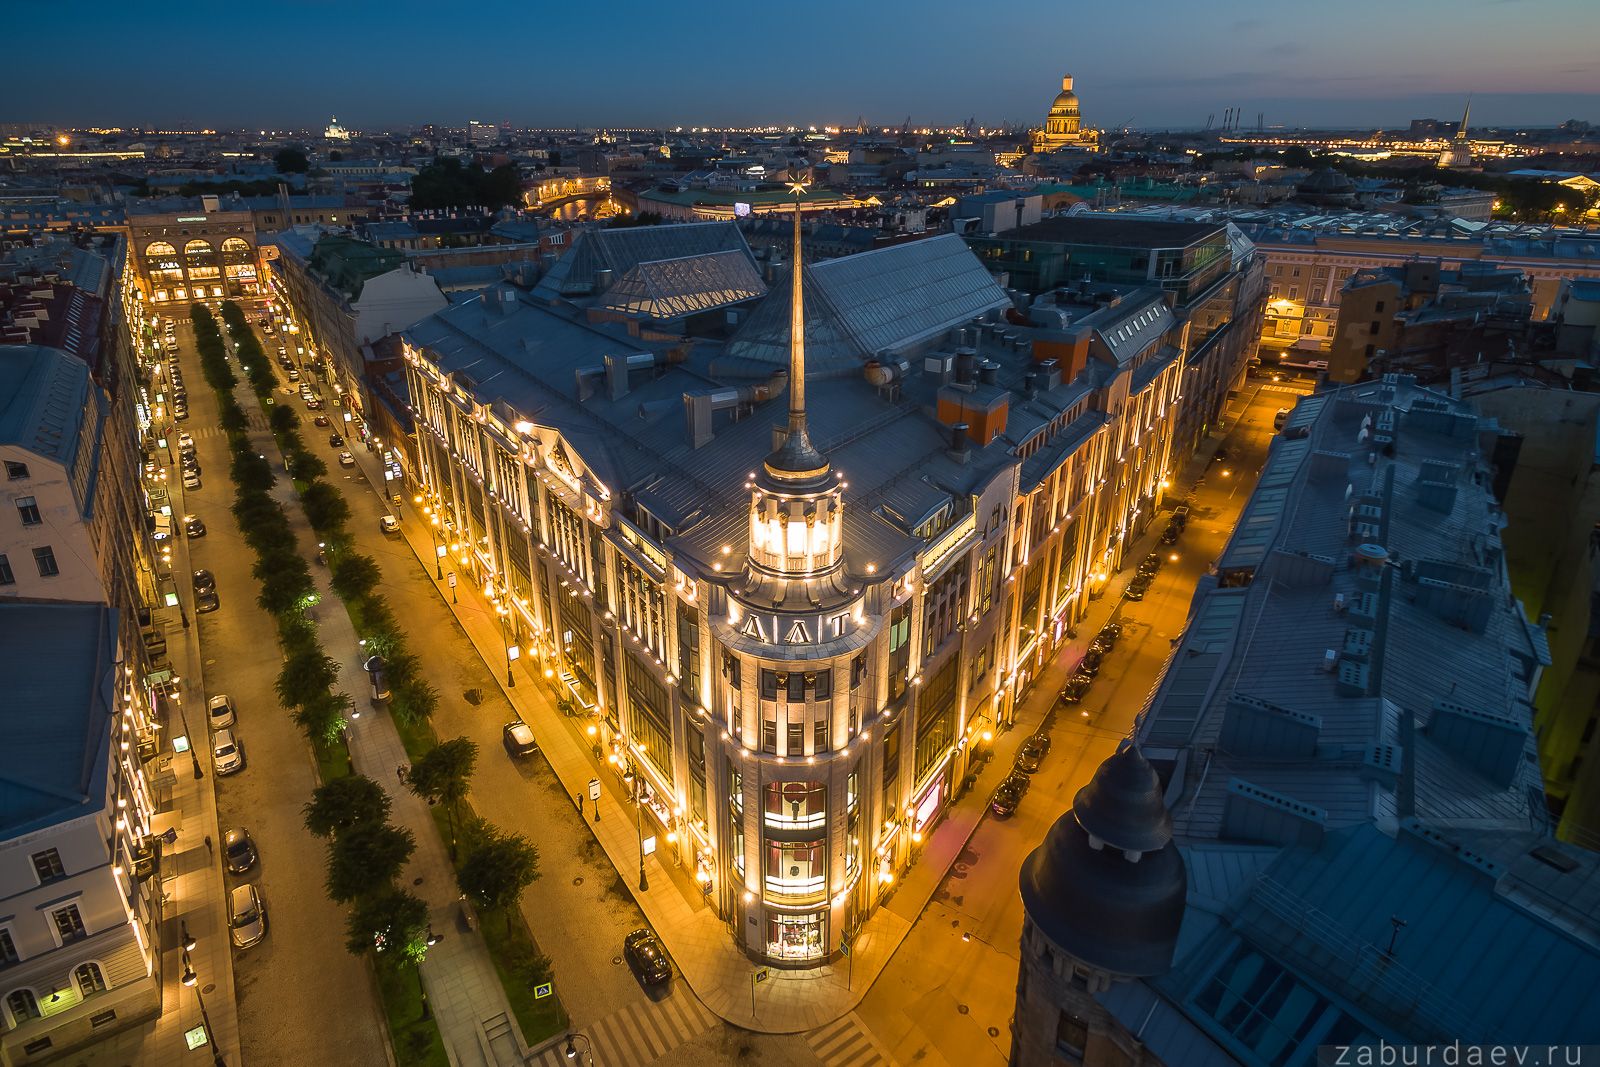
[624,63]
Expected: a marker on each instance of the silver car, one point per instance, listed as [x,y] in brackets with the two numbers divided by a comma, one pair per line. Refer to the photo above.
[226,754]
[247,915]
[220,710]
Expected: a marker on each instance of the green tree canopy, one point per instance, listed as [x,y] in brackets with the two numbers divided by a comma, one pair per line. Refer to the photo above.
[497,870]
[355,576]
[447,182]
[393,923]
[345,803]
[364,860]
[291,160]
[443,774]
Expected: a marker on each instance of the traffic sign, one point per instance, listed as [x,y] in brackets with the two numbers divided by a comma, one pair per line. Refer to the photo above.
[594,789]
[762,975]
[844,948]
[542,990]
[452,579]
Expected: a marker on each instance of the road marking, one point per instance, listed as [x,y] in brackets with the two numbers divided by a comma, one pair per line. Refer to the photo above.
[639,1034]
[846,1043]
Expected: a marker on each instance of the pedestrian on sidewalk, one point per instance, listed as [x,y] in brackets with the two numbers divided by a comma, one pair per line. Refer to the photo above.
[210,849]
[400,773]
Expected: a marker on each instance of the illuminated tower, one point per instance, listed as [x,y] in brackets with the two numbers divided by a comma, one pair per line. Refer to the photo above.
[795,701]
[1063,126]
[1458,153]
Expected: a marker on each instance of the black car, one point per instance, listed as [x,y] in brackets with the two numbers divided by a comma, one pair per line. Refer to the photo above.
[1009,795]
[1150,564]
[204,602]
[204,581]
[1076,687]
[335,440]
[518,739]
[645,957]
[1136,590]
[1108,635]
[1169,536]
[193,527]
[181,414]
[238,850]
[1091,660]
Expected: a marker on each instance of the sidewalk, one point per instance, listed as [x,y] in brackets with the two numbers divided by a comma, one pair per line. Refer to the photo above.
[465,993]
[714,965]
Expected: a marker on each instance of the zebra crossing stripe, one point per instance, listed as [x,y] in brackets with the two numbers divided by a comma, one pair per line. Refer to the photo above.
[845,1043]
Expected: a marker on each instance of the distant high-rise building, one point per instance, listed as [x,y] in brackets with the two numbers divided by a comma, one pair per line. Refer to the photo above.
[482,134]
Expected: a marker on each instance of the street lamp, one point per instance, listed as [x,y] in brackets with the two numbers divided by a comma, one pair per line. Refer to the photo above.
[194,757]
[632,770]
[571,1051]
[505,639]
[192,980]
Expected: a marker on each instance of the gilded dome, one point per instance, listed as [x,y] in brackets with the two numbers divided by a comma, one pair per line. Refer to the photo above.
[1066,103]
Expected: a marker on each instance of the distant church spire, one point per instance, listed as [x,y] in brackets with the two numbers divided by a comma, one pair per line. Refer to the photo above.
[1461,132]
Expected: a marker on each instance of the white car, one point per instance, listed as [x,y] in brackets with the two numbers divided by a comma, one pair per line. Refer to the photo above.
[389,524]
[191,479]
[346,459]
[221,712]
[185,440]
[247,915]
[226,754]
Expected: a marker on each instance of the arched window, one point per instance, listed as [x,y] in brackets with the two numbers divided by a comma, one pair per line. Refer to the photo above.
[197,247]
[22,1005]
[91,979]
[159,248]
[236,244]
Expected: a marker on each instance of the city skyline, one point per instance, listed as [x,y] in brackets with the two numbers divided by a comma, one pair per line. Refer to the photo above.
[1364,65]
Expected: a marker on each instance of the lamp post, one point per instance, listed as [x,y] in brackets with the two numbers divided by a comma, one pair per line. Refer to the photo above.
[572,1050]
[638,819]
[438,542]
[192,980]
[505,639]
[194,757]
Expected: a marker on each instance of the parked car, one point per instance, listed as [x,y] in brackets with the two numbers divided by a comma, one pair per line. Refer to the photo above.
[518,739]
[1150,564]
[239,850]
[645,957]
[313,404]
[226,754]
[294,375]
[389,524]
[206,602]
[185,440]
[1137,589]
[1280,418]
[220,711]
[204,581]
[1169,536]
[320,420]
[247,915]
[335,440]
[1030,754]
[191,480]
[1092,658]
[193,526]
[1009,795]
[346,459]
[1180,515]
[1077,685]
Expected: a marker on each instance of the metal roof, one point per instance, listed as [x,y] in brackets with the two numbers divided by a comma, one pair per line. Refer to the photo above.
[666,289]
[619,250]
[43,396]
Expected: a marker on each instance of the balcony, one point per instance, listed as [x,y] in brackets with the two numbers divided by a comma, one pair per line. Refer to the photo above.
[796,889]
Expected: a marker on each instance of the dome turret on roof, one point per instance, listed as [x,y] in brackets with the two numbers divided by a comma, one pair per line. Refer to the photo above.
[1113,912]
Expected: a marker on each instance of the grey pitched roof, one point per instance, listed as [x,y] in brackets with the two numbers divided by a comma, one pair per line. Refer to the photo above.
[42,400]
[666,289]
[58,659]
[619,250]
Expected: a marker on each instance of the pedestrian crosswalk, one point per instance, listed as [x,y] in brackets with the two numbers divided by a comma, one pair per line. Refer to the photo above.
[846,1043]
[639,1034]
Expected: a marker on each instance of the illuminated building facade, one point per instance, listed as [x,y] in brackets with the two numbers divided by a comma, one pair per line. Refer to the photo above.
[794,662]
[1063,126]
[203,254]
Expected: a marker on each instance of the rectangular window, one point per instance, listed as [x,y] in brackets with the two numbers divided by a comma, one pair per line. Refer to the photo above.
[891,763]
[47,866]
[69,924]
[1373,329]
[820,740]
[45,559]
[8,947]
[1072,1035]
[730,669]
[28,510]
[858,670]
[769,684]
[103,1018]
[648,719]
[1377,308]
[797,737]
[16,471]
[822,685]
[769,735]
[7,575]
[797,687]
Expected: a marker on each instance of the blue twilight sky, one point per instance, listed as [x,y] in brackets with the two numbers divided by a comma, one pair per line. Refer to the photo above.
[692,62]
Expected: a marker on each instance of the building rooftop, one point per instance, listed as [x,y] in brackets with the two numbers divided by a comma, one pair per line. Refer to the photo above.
[1114,230]
[1345,733]
[42,401]
[59,662]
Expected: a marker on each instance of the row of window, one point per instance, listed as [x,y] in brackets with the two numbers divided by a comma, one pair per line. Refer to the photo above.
[66,920]
[43,558]
[23,1004]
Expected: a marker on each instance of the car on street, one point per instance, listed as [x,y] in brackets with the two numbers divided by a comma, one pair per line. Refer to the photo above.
[645,957]
[1030,755]
[1077,685]
[191,480]
[283,360]
[239,850]
[389,524]
[335,440]
[226,753]
[320,420]
[1150,564]
[518,739]
[181,414]
[206,602]
[294,375]
[204,581]
[247,915]
[185,440]
[1169,536]
[346,459]
[313,404]
[1009,795]
[193,526]
[220,711]
[1092,658]
[1280,418]
[1136,589]
[1109,634]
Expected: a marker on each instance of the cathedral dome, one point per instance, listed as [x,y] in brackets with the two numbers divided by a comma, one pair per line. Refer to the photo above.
[1116,907]
[1066,103]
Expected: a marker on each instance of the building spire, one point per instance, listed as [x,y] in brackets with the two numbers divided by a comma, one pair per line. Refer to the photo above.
[1461,132]
[797,459]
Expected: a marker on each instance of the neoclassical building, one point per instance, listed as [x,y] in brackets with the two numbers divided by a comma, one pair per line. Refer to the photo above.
[789,558]
[1063,126]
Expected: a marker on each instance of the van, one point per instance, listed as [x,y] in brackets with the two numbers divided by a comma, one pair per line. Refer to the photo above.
[1280,418]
